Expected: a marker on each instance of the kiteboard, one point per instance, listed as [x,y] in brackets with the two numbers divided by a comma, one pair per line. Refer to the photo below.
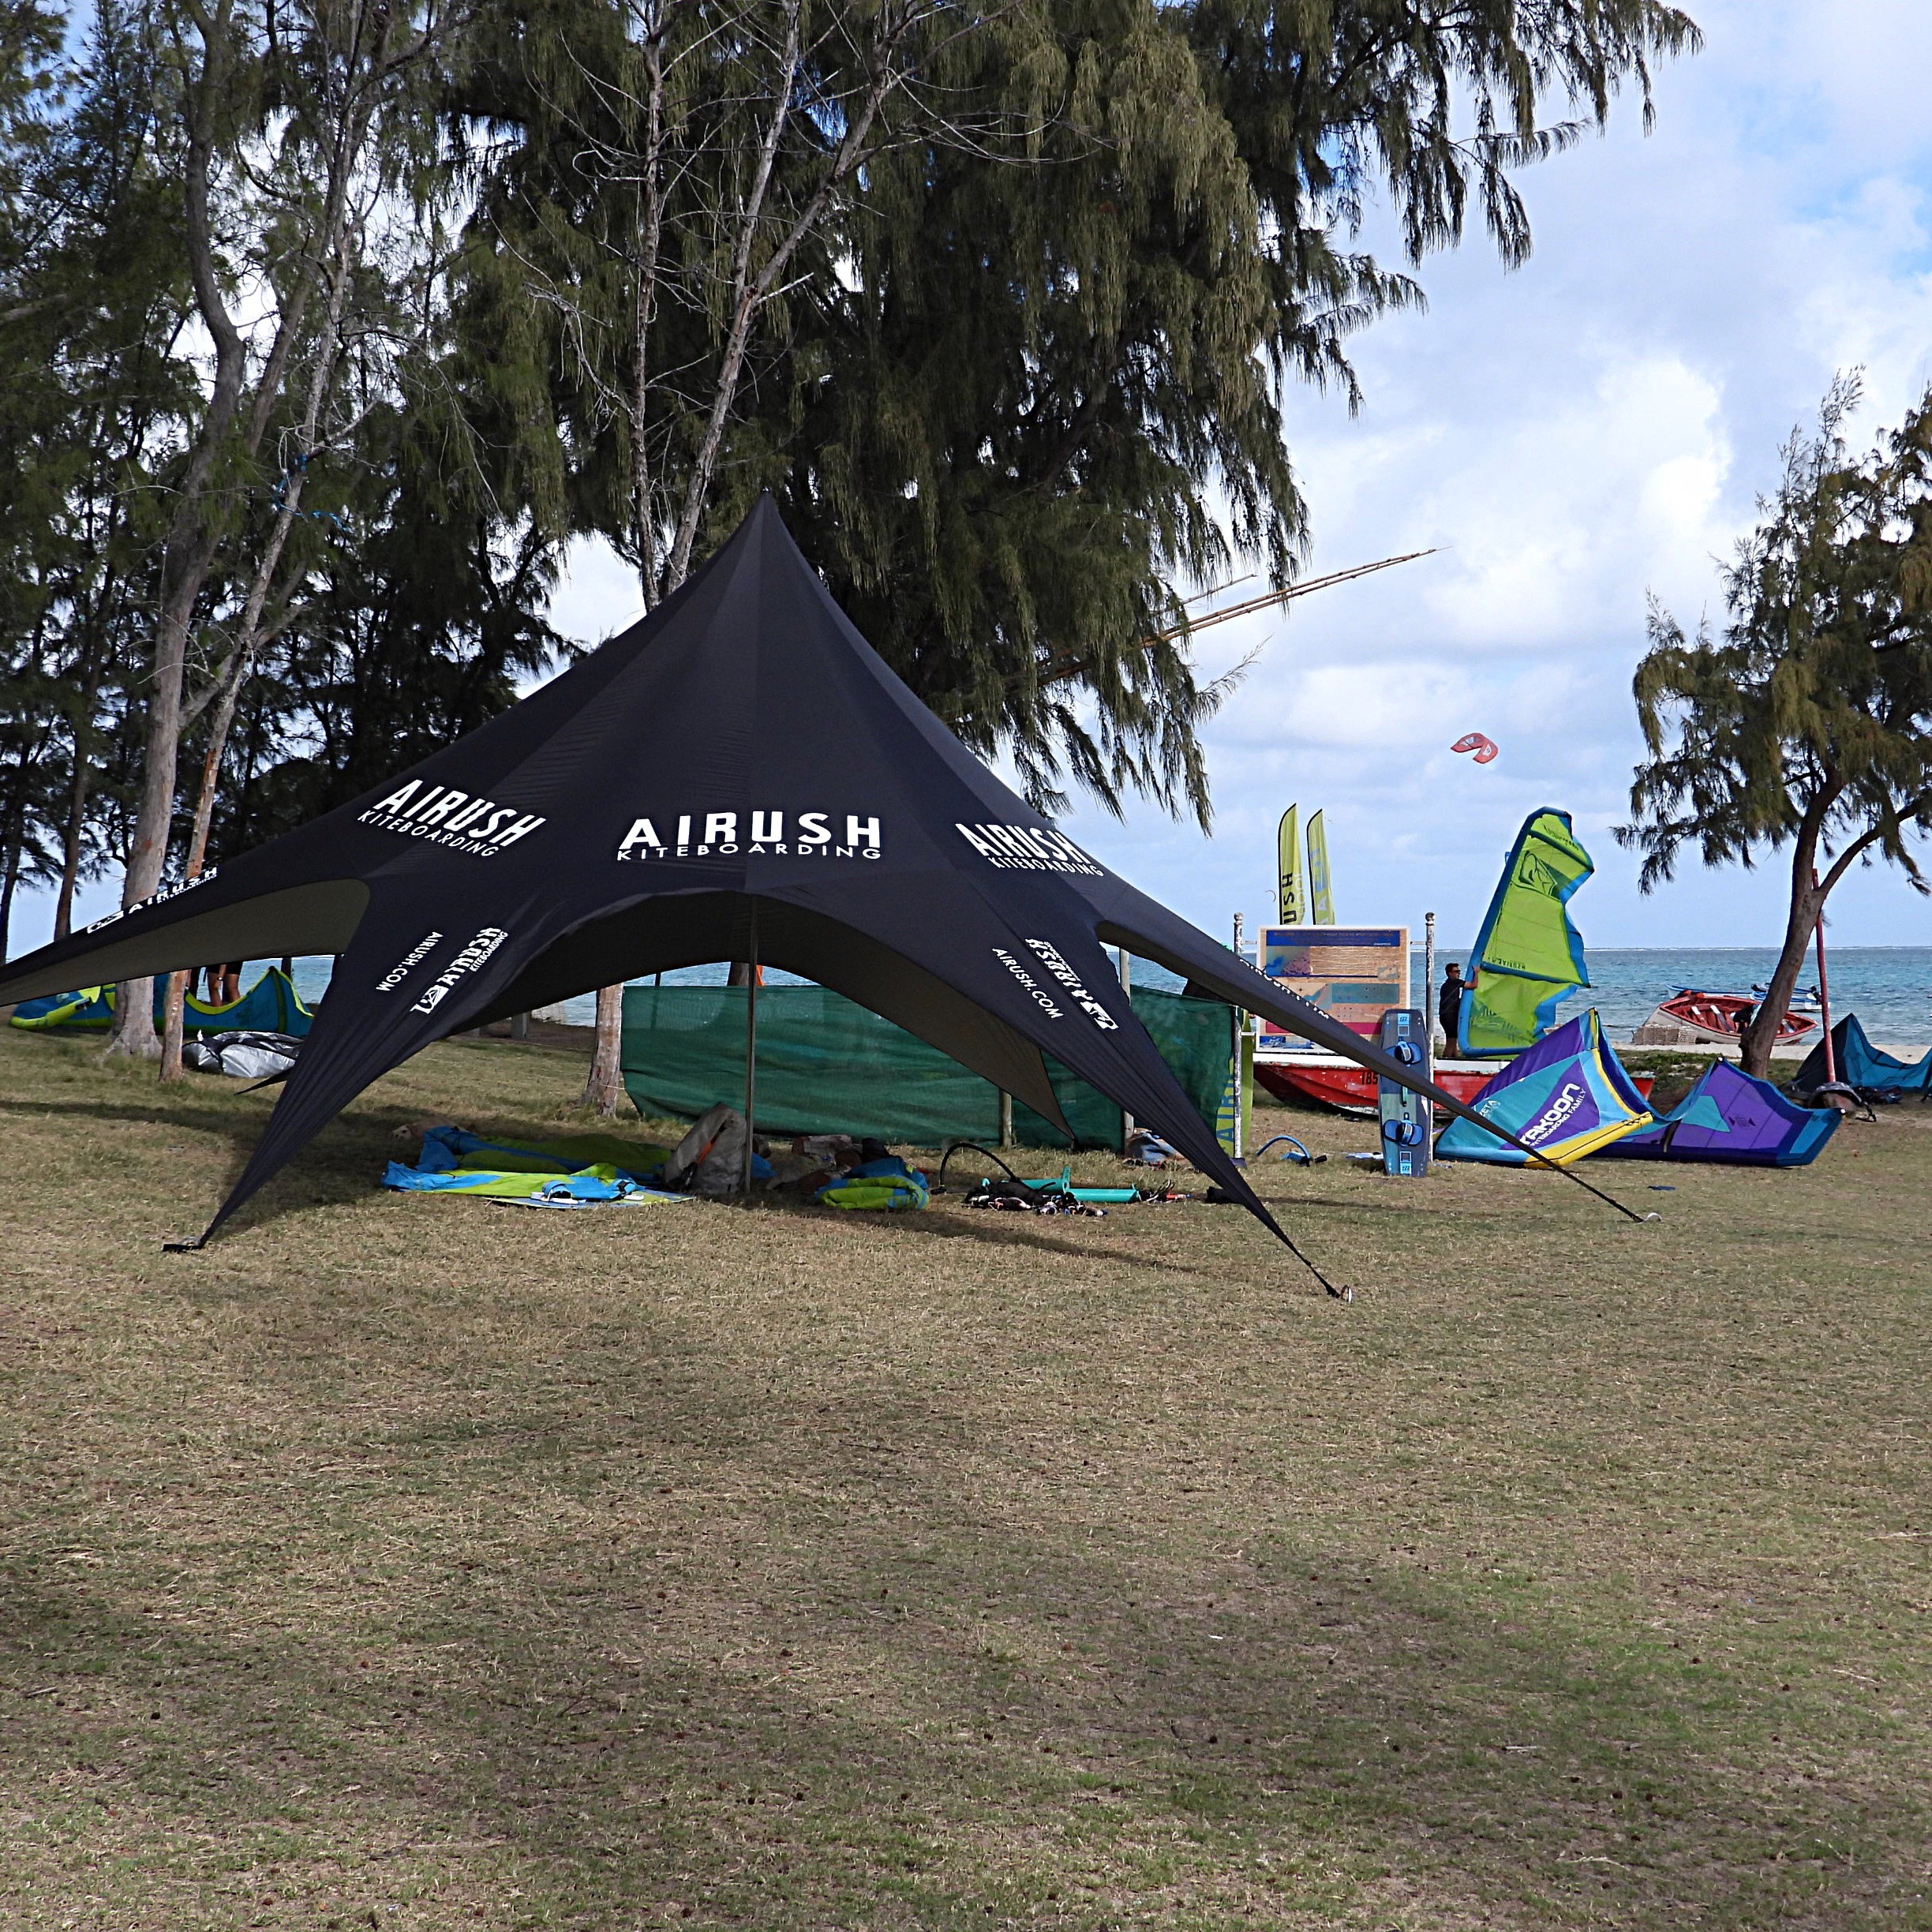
[1406,1117]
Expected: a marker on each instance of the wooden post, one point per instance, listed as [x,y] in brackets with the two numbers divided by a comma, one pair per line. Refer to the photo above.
[1428,994]
[1126,980]
[519,1026]
[1005,1117]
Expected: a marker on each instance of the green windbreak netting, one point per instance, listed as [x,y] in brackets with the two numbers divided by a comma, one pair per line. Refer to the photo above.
[825,1065]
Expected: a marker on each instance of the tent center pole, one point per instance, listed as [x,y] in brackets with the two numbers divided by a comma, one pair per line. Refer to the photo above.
[1240,1155]
[751,994]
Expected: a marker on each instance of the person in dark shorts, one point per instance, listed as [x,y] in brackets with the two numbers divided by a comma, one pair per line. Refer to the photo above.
[1449,1001]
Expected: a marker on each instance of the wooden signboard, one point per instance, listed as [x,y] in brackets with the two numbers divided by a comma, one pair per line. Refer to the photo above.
[1354,974]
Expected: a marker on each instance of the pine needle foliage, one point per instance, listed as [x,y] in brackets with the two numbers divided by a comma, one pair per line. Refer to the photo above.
[1024,386]
[1807,723]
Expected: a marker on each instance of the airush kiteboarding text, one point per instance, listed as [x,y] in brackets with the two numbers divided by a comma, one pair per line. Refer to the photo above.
[461,820]
[400,972]
[466,961]
[1027,848]
[154,898]
[767,834]
[1053,962]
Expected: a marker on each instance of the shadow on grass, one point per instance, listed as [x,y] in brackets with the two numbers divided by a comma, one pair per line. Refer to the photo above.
[988,1229]
[847,1697]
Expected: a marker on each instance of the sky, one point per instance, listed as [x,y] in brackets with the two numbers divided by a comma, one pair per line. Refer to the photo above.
[1570,436]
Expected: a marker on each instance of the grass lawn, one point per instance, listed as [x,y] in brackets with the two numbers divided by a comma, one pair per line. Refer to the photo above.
[407,1562]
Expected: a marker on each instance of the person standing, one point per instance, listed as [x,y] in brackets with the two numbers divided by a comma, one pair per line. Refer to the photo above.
[1449,1001]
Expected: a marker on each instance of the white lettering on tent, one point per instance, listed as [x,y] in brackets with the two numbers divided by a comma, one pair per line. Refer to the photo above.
[1040,997]
[463,822]
[400,972]
[435,814]
[759,832]
[153,899]
[396,800]
[1051,957]
[642,832]
[466,961]
[1028,848]
[468,815]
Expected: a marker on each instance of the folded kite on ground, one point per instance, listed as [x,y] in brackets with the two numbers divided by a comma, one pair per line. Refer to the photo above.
[1857,1063]
[580,1167]
[1731,1118]
[887,1184]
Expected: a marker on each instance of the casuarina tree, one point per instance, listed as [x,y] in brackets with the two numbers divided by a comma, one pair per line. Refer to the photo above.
[1000,301]
[1806,728]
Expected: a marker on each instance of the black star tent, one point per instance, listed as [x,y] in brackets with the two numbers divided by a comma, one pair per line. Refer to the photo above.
[737,775]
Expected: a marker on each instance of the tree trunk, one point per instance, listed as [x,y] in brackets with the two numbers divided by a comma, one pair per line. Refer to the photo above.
[6,894]
[1809,893]
[1807,901]
[248,642]
[77,825]
[605,1088]
[198,525]
[193,536]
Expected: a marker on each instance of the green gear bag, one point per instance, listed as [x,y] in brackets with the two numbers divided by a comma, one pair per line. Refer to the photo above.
[873,1192]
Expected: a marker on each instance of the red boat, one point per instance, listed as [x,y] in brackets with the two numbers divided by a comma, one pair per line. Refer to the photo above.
[1714,1017]
[1332,1081]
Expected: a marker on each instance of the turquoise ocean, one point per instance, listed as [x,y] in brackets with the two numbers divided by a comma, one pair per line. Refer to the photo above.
[1889,987]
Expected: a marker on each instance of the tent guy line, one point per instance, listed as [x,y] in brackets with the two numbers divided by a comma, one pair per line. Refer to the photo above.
[748,684]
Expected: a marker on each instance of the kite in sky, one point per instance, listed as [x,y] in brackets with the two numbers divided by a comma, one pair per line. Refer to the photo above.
[1484,748]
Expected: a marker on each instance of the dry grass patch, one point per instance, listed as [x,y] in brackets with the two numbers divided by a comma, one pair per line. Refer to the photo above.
[417,1562]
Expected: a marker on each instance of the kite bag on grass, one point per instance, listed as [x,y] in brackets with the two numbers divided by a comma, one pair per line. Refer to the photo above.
[880,1184]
